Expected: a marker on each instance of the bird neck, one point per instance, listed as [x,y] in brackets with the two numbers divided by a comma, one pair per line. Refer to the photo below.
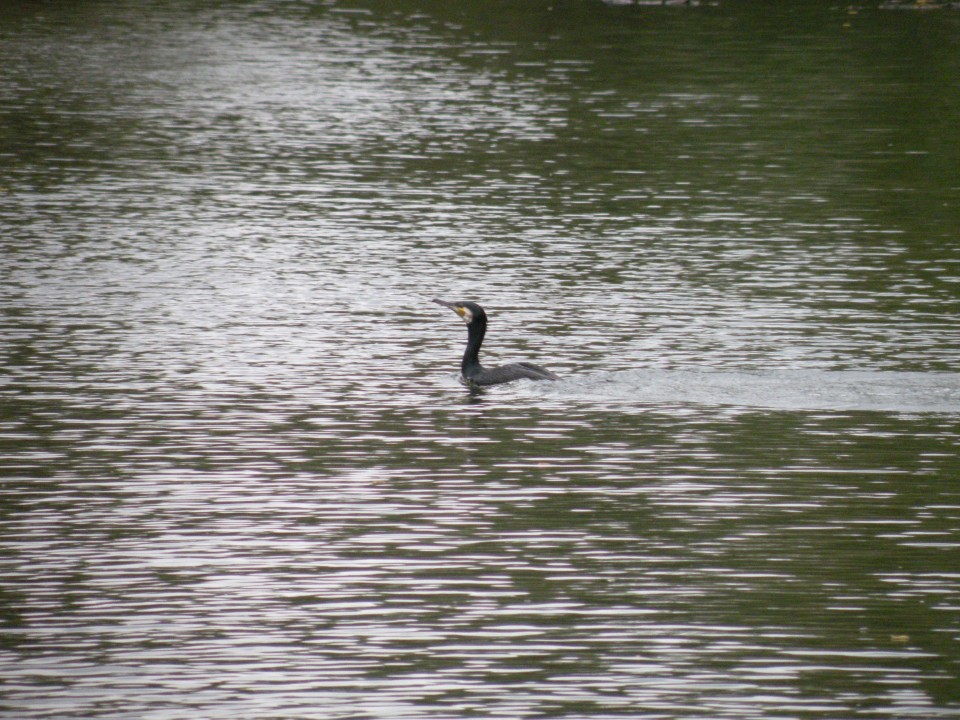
[471,356]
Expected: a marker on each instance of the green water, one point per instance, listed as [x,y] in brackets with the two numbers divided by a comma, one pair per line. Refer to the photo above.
[239,476]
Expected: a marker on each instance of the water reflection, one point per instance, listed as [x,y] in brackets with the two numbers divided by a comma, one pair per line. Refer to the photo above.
[238,472]
[544,560]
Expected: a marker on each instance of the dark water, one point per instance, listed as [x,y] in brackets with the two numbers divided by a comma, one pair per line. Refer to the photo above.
[239,478]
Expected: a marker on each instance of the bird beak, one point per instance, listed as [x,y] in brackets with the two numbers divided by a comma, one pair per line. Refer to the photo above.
[458,309]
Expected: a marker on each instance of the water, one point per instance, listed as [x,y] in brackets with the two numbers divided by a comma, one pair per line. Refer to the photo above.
[240,478]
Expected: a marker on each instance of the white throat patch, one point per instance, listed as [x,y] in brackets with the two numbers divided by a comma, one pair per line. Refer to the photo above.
[465,314]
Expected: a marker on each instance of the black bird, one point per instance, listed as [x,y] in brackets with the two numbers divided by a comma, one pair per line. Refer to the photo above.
[471,371]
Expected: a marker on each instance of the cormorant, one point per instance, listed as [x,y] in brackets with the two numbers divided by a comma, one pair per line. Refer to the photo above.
[471,371]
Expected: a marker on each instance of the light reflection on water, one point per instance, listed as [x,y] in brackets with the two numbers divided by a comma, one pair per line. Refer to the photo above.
[240,477]
[647,565]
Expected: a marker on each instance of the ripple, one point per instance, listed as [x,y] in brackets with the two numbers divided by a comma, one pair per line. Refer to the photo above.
[877,391]
[238,476]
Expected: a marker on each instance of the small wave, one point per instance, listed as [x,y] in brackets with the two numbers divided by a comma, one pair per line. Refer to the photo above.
[882,391]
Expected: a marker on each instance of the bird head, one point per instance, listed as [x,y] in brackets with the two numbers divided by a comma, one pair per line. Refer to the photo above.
[468,311]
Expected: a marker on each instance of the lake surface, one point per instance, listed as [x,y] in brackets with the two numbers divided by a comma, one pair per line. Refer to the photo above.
[239,477]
